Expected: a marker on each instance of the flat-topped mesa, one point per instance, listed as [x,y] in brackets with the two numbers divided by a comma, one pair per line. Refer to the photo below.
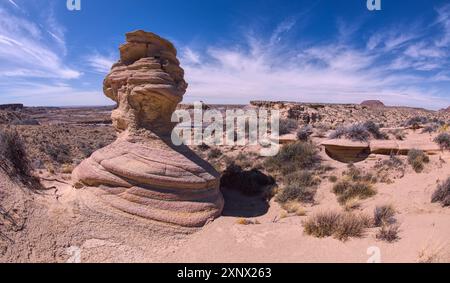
[147,84]
[142,173]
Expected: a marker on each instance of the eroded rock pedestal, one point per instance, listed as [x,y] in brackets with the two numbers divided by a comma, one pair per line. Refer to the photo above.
[142,173]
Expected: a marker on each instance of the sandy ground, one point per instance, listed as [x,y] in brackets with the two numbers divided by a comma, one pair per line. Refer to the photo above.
[425,229]
[68,225]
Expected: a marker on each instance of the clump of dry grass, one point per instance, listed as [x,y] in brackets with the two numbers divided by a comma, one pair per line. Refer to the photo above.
[13,154]
[443,140]
[287,126]
[348,189]
[417,159]
[434,253]
[293,157]
[333,179]
[342,226]
[384,215]
[388,233]
[14,159]
[214,153]
[293,207]
[67,168]
[442,194]
[301,186]
[305,132]
[355,184]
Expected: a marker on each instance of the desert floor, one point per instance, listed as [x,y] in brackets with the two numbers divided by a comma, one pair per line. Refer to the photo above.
[63,224]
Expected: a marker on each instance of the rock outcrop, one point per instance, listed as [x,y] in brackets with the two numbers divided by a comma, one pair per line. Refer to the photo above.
[346,151]
[142,173]
[372,103]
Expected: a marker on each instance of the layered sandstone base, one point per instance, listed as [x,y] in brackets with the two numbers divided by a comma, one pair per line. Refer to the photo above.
[147,177]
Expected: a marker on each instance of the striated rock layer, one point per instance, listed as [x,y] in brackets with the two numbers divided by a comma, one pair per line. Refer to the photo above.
[142,173]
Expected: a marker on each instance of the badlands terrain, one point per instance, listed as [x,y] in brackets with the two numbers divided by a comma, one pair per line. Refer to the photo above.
[49,222]
[351,183]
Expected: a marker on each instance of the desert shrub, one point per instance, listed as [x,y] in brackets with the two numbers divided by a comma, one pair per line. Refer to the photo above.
[322,225]
[391,163]
[294,207]
[340,132]
[333,179]
[287,126]
[351,225]
[59,153]
[293,157]
[443,140]
[374,129]
[348,189]
[301,186]
[304,133]
[388,233]
[214,153]
[384,215]
[357,175]
[416,121]
[431,128]
[398,134]
[417,159]
[13,155]
[203,147]
[442,193]
[252,182]
[340,225]
[67,168]
[359,132]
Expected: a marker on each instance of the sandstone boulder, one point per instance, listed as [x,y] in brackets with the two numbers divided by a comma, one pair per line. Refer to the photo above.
[346,151]
[142,173]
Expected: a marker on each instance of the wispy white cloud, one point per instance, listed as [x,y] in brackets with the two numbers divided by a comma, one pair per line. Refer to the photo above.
[14,4]
[337,71]
[100,63]
[51,94]
[24,50]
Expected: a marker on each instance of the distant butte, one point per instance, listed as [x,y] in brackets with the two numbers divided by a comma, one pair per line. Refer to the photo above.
[373,103]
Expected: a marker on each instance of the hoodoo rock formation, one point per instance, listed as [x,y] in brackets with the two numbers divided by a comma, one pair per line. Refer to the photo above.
[142,173]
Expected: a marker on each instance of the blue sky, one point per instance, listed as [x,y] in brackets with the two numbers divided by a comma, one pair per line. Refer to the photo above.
[234,51]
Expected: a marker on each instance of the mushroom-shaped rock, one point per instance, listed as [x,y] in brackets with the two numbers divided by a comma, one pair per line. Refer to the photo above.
[142,173]
[347,151]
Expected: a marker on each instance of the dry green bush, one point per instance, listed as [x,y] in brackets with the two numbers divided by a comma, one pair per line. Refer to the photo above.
[301,186]
[293,157]
[342,226]
[384,215]
[214,153]
[417,159]
[388,233]
[443,140]
[442,194]
[14,158]
[287,126]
